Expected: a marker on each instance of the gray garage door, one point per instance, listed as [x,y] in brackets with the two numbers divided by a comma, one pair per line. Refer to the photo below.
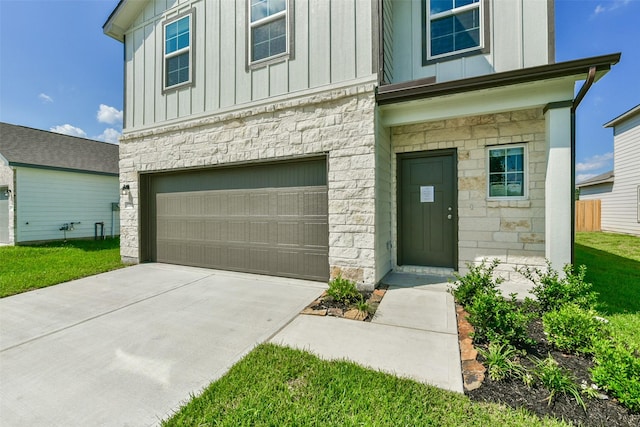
[272,227]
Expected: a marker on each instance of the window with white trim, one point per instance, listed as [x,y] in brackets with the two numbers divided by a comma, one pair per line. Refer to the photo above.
[453,27]
[268,29]
[177,51]
[507,172]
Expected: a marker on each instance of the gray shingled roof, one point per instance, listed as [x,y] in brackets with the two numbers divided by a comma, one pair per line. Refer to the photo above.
[598,179]
[23,146]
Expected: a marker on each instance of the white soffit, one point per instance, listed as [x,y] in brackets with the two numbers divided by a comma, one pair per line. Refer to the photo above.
[485,101]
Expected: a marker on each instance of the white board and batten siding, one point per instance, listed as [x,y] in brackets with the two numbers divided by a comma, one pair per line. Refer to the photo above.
[620,207]
[516,40]
[332,44]
[47,199]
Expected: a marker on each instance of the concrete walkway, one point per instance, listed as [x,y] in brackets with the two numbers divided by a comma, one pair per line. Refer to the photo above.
[413,334]
[128,347]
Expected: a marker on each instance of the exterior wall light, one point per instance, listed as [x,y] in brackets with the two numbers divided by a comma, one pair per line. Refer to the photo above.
[126,190]
[7,193]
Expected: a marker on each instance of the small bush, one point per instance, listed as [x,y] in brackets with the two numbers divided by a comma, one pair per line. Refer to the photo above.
[501,360]
[617,370]
[556,380]
[478,279]
[552,291]
[572,329]
[498,320]
[343,290]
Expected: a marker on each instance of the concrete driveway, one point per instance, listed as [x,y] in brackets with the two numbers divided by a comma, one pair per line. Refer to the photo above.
[128,347]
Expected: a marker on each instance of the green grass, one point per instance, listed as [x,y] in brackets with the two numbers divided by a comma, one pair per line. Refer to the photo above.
[277,386]
[613,267]
[23,268]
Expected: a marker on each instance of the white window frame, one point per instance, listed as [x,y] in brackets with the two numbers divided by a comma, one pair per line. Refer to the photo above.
[525,172]
[264,21]
[188,49]
[455,11]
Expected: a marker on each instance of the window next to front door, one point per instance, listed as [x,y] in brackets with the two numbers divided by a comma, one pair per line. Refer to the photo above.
[507,172]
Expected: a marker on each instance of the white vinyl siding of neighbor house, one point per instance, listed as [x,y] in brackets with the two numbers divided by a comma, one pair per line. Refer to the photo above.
[47,199]
[516,39]
[620,207]
[331,44]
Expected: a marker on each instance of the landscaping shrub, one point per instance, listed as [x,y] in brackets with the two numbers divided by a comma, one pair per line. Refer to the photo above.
[572,329]
[501,360]
[552,291]
[498,320]
[478,279]
[556,379]
[617,370]
[343,290]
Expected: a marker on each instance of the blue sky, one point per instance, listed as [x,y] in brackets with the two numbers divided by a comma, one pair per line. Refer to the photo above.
[59,72]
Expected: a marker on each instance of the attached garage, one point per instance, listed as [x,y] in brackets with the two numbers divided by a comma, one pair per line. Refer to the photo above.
[266,219]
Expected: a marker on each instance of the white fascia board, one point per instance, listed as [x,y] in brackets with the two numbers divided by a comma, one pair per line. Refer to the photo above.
[485,101]
[123,17]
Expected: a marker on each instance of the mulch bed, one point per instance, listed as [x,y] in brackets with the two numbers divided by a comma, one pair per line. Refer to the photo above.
[324,305]
[600,412]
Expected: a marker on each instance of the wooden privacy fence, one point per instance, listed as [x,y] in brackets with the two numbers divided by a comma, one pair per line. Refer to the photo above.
[588,215]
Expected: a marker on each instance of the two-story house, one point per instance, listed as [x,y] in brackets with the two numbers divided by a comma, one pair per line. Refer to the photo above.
[619,189]
[310,138]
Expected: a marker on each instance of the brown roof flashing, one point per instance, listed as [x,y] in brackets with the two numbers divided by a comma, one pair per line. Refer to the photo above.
[418,89]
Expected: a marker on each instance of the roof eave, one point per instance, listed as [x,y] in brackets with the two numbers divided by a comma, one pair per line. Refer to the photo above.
[622,117]
[122,17]
[400,92]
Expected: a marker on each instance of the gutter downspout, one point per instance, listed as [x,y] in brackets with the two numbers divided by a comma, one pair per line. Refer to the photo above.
[591,76]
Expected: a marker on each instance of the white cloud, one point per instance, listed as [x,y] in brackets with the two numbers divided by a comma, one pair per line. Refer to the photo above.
[45,98]
[67,129]
[109,135]
[610,6]
[593,163]
[109,115]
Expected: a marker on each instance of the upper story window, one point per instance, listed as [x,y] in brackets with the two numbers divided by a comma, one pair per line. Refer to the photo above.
[507,172]
[453,27]
[177,51]
[268,29]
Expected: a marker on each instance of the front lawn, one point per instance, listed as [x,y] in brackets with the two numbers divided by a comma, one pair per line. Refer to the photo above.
[277,386]
[23,268]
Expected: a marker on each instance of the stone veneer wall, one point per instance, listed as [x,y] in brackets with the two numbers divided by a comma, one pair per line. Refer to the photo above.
[7,179]
[338,123]
[512,231]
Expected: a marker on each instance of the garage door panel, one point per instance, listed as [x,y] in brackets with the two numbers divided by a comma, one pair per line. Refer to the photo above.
[276,231]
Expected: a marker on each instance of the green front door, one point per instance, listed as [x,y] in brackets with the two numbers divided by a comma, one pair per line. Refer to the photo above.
[427,209]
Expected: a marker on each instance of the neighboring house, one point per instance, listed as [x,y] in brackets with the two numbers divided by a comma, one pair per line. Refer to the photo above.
[55,186]
[619,190]
[312,138]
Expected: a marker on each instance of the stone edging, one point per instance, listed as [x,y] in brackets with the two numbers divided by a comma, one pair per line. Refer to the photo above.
[472,370]
[353,314]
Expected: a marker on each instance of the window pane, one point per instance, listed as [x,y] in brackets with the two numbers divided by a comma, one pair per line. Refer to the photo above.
[466,21]
[437,6]
[269,39]
[263,8]
[459,31]
[177,35]
[506,172]
[177,69]
[467,40]
[460,3]
[496,161]
[172,30]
